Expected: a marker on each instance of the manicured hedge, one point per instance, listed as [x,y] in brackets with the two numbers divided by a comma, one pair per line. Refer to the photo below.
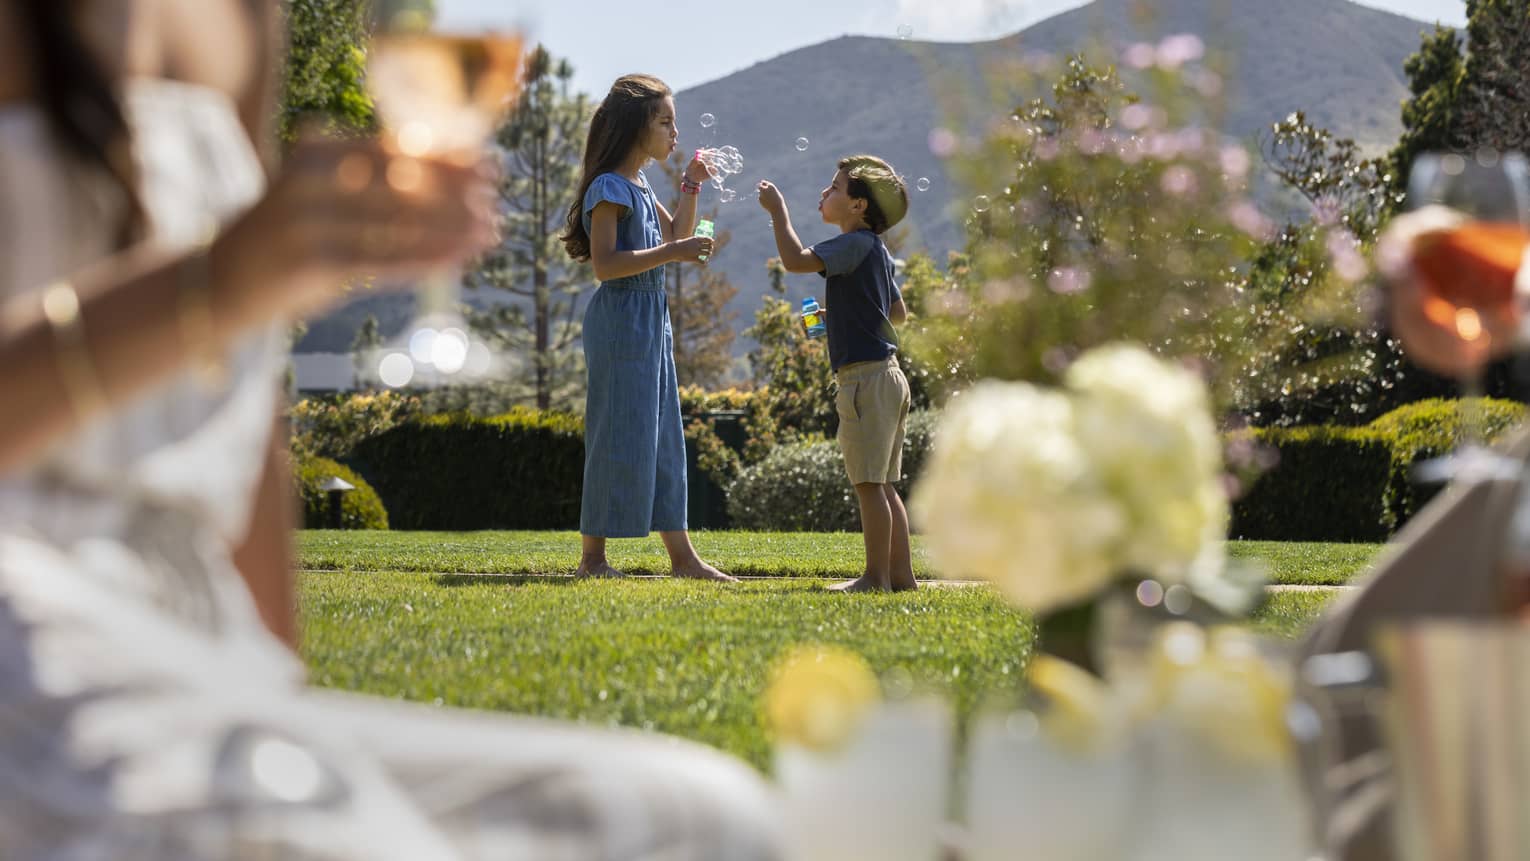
[1427,429]
[1326,484]
[520,470]
[359,509]
[804,488]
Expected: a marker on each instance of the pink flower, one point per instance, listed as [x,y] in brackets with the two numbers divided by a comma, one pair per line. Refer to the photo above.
[1235,161]
[943,142]
[1175,51]
[1140,55]
[1178,181]
[1069,280]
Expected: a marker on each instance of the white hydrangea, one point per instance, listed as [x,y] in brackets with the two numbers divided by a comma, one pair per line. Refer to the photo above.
[1051,494]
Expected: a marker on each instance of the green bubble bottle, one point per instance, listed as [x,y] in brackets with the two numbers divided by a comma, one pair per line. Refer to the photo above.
[704,227]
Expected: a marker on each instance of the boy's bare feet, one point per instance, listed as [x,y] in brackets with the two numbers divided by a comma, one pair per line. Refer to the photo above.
[863,583]
[699,570]
[599,568]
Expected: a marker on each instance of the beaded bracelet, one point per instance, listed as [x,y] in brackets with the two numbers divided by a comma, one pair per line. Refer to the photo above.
[690,187]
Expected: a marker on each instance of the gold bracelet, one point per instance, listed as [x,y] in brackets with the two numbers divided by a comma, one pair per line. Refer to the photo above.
[61,307]
[198,327]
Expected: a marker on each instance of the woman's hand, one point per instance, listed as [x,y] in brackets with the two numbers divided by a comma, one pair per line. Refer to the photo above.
[342,210]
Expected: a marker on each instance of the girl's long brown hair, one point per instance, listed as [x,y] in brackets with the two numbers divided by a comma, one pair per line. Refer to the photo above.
[79,99]
[615,129]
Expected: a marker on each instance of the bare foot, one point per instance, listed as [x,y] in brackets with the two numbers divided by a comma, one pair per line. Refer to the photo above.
[863,583]
[601,569]
[699,570]
[903,581]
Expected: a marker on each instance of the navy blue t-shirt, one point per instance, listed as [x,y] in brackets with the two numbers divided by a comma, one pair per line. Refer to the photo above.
[861,292]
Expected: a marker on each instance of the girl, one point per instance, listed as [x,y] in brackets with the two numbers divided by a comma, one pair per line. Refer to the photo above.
[634,470]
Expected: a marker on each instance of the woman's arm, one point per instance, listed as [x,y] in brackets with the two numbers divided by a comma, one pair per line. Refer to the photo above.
[265,557]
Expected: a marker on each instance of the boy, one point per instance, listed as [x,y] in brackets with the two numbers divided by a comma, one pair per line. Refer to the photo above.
[865,199]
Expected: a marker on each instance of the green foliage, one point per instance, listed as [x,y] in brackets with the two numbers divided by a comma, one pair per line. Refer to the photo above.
[1102,215]
[326,66]
[537,287]
[803,487]
[1328,484]
[359,509]
[1428,116]
[520,470]
[1431,428]
[333,426]
[797,387]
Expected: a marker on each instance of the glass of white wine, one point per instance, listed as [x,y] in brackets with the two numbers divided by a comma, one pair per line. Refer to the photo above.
[440,92]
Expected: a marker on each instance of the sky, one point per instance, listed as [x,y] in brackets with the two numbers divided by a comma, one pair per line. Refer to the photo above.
[690,42]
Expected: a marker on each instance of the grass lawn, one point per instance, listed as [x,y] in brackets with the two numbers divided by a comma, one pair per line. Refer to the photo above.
[680,657]
[765,554]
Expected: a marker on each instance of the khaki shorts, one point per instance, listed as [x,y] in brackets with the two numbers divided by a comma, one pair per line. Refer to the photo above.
[873,409]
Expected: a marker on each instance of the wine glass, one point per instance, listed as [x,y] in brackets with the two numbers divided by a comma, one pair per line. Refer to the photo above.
[1466,273]
[440,92]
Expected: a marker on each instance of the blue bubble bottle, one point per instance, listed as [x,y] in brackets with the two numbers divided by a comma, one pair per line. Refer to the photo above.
[812,318]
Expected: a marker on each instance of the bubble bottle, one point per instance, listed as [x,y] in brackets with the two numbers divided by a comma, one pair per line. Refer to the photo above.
[704,227]
[812,318]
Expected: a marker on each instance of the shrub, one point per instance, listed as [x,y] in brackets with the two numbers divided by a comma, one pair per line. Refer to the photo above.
[520,470]
[1427,429]
[332,426]
[1328,484]
[803,487]
[359,509]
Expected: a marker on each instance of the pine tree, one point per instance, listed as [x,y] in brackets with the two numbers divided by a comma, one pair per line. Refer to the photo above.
[698,297]
[537,323]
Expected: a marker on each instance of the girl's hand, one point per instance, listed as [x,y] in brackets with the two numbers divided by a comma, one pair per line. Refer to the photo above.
[342,210]
[771,199]
[697,171]
[692,249]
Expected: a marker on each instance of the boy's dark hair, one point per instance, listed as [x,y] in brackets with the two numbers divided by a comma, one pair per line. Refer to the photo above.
[614,130]
[874,181]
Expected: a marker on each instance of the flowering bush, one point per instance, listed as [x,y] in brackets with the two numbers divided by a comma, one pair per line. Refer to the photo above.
[331,427]
[1100,213]
[1054,493]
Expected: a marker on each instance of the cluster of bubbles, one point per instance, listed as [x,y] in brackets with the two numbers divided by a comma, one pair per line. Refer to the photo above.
[434,355]
[722,163]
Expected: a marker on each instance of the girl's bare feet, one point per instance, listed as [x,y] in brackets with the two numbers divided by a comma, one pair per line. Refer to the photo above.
[699,570]
[597,568]
[863,583]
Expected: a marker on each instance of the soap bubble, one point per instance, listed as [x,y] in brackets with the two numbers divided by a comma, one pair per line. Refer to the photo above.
[721,163]
[707,121]
[421,344]
[981,203]
[802,144]
[923,184]
[395,370]
[449,351]
[905,31]
[728,195]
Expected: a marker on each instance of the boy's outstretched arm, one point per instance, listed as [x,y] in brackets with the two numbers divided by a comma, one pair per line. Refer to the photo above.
[794,258]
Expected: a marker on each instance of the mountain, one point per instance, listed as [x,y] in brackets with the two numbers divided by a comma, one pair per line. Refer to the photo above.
[1339,62]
